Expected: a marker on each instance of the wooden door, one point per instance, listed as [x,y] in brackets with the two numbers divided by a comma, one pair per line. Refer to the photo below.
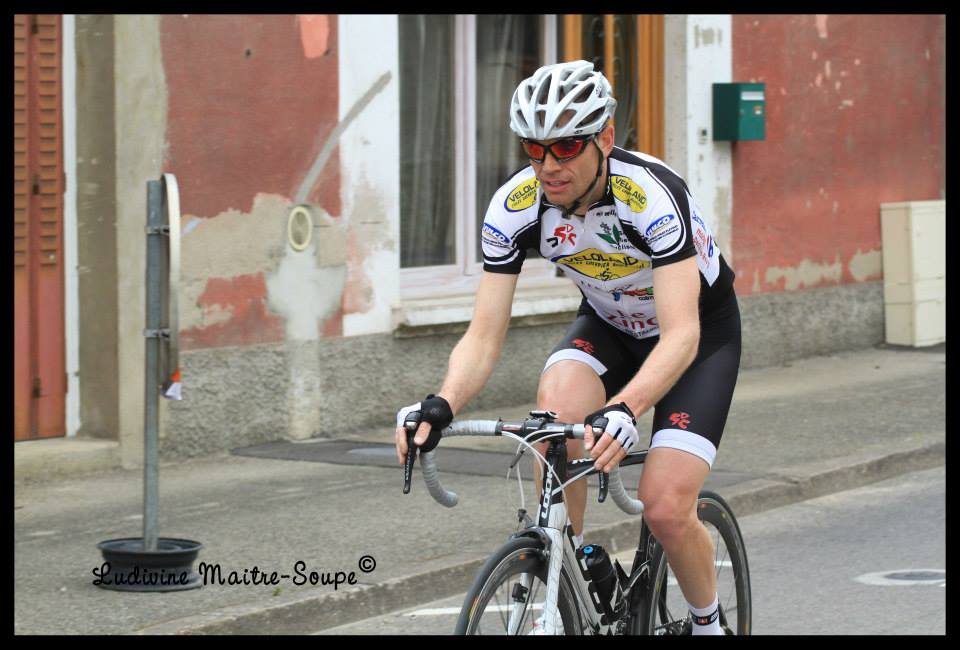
[628,48]
[40,381]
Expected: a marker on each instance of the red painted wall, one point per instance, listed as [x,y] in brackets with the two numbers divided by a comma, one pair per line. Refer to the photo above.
[252,100]
[855,118]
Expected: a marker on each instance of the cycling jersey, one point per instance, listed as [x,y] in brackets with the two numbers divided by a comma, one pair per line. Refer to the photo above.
[646,218]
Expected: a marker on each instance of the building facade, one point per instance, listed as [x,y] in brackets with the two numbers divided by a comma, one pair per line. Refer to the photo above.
[390,132]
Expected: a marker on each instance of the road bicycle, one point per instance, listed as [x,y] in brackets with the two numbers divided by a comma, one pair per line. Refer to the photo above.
[539,582]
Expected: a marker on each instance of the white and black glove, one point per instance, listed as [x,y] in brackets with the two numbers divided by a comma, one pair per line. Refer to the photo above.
[618,422]
[435,411]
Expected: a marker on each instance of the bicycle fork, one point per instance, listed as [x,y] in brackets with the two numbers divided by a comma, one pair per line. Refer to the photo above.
[554,549]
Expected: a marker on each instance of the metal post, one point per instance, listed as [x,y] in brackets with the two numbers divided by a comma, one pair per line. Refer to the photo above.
[155,220]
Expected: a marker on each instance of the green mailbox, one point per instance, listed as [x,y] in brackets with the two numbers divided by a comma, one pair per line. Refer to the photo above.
[739,111]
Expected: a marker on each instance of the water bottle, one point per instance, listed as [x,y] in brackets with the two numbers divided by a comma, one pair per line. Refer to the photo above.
[604,578]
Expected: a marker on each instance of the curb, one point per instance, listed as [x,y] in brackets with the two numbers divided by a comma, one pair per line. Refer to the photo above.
[320,609]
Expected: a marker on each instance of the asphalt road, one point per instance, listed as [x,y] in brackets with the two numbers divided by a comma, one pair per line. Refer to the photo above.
[869,561]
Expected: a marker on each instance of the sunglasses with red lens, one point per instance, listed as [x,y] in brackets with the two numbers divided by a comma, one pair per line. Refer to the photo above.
[562,150]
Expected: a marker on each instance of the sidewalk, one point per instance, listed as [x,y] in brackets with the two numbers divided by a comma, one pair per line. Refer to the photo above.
[812,427]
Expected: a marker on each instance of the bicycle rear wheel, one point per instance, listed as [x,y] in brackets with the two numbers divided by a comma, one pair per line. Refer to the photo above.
[508,593]
[664,611]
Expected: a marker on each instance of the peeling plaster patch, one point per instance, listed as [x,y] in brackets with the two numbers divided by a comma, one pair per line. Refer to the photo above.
[359,293]
[756,282]
[826,69]
[856,62]
[822,25]
[314,32]
[307,287]
[805,274]
[818,80]
[706,36]
[847,103]
[368,235]
[234,313]
[866,266]
[814,55]
[305,294]
[229,245]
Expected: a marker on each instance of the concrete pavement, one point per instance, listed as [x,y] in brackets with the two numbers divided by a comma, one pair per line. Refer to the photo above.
[808,428]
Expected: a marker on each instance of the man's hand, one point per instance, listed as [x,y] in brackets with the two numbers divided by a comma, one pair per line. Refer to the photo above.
[434,416]
[619,429]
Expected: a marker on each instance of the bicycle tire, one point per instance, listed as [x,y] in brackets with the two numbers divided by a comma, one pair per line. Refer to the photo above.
[664,609]
[496,580]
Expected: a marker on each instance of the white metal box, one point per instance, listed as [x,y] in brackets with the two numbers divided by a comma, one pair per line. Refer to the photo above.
[914,272]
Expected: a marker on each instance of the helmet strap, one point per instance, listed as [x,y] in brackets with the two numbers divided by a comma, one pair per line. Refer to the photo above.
[576,204]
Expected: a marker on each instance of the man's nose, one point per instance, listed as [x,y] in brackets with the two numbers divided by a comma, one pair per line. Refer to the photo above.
[550,162]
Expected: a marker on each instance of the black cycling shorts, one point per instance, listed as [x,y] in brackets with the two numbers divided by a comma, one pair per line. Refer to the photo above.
[691,416]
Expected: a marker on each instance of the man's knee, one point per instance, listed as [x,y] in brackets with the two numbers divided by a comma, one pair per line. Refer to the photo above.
[571,389]
[670,515]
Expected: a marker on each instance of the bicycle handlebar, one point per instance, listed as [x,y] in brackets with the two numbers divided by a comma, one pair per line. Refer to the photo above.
[449,499]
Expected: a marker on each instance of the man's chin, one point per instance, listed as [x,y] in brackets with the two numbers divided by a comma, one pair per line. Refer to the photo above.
[560,200]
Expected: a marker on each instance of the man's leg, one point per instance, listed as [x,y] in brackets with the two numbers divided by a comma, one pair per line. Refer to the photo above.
[669,488]
[572,390]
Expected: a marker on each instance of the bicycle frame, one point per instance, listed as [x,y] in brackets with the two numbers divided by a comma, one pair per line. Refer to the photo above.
[554,529]
[552,524]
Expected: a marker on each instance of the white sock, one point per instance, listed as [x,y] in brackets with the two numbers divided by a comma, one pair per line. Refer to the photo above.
[578,540]
[706,620]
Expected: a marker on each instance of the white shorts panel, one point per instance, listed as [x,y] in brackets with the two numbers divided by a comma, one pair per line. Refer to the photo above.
[685,441]
[575,355]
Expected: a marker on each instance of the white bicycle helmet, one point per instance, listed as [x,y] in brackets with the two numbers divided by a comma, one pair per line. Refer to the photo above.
[540,100]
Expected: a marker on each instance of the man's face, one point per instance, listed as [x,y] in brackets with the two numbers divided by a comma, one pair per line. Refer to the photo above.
[563,182]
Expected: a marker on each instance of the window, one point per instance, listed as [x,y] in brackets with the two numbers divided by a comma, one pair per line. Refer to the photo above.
[457,75]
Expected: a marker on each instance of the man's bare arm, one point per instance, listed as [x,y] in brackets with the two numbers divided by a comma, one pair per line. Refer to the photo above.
[474,357]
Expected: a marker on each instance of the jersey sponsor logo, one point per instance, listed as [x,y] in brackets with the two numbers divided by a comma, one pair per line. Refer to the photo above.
[602,266]
[522,196]
[628,192]
[637,323]
[611,235]
[643,295]
[658,225]
[493,236]
[704,245]
[562,234]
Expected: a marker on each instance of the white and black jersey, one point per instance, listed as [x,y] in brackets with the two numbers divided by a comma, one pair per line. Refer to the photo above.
[647,218]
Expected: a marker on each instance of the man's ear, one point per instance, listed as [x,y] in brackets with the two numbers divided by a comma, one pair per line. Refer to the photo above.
[607,139]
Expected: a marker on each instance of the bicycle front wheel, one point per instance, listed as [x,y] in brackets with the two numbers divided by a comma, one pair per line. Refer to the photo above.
[665,612]
[508,593]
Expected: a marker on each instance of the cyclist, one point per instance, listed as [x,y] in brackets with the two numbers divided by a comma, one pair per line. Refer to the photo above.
[658,326]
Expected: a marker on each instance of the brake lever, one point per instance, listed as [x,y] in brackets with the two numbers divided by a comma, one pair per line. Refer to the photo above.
[410,425]
[599,424]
